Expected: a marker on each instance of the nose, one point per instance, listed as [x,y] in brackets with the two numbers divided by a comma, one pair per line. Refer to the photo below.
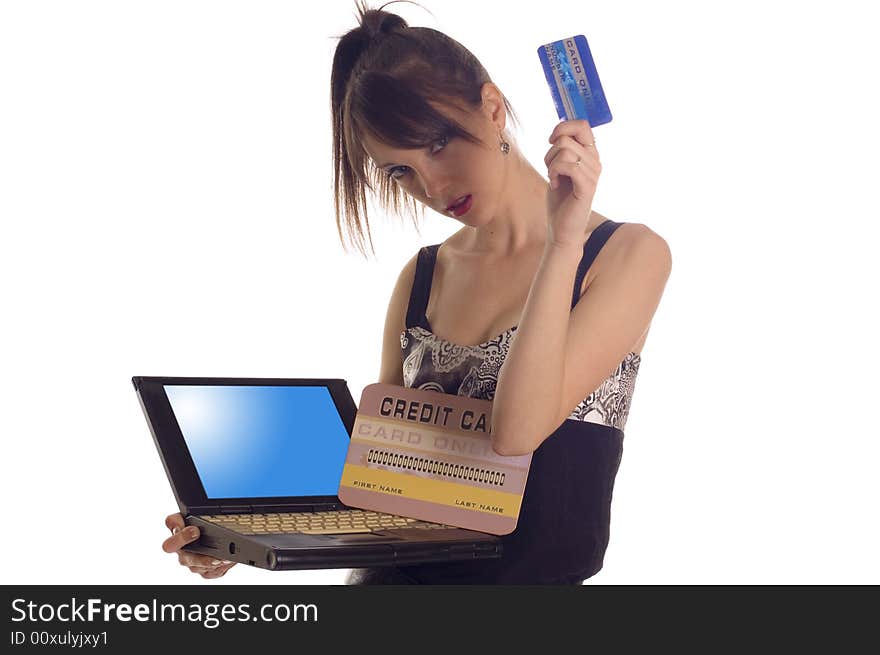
[434,182]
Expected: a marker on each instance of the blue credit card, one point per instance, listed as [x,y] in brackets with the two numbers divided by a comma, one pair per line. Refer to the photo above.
[574,82]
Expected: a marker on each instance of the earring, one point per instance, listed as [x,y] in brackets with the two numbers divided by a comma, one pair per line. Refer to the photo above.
[505,146]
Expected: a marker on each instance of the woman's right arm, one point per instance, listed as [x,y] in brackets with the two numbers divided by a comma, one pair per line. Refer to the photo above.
[205,565]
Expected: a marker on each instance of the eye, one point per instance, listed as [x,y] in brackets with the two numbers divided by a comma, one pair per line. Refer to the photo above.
[442,142]
[392,170]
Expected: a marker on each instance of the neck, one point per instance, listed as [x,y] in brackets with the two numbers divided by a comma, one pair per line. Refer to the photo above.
[520,222]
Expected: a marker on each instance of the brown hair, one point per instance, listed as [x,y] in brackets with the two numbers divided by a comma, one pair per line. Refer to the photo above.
[384,75]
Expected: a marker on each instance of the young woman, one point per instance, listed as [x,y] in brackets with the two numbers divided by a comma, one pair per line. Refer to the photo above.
[534,280]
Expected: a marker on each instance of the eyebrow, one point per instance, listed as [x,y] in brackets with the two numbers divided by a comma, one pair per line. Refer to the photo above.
[392,163]
[383,166]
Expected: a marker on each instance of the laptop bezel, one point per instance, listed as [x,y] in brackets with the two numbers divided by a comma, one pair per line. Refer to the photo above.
[178,463]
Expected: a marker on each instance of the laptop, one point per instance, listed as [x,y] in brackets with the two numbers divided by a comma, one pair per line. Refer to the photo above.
[256,465]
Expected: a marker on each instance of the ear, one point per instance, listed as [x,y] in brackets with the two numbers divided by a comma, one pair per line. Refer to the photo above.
[493,105]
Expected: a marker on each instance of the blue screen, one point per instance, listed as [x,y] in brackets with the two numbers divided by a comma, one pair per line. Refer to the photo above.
[260,441]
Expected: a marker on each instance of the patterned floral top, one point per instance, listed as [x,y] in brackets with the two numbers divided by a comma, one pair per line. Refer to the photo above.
[437,365]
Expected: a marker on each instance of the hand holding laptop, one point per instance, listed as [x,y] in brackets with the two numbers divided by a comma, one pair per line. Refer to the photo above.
[207,567]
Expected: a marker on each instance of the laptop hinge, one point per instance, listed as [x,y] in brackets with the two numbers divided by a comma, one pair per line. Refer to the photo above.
[235,509]
[328,507]
[262,509]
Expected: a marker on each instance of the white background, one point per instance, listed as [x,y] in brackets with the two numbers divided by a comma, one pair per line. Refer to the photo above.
[166,205]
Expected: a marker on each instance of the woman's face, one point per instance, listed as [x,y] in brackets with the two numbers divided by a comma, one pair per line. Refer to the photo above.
[446,171]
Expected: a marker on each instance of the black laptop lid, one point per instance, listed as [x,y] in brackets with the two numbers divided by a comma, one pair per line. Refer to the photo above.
[250,444]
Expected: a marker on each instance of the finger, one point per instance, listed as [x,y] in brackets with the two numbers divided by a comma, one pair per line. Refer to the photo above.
[202,570]
[195,559]
[580,174]
[204,561]
[174,521]
[180,539]
[567,143]
[570,156]
[556,176]
[201,565]
[583,178]
[218,571]
[222,567]
[210,565]
[579,129]
[561,145]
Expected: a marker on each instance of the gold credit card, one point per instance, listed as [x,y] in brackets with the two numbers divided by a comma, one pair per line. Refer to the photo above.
[427,455]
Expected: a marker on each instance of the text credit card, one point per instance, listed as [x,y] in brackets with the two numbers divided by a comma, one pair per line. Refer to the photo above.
[574,82]
[428,455]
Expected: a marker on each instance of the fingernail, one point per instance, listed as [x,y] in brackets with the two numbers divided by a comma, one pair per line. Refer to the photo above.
[226,561]
[215,562]
[175,530]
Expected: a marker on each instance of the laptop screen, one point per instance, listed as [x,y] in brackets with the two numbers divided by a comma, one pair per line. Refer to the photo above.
[262,441]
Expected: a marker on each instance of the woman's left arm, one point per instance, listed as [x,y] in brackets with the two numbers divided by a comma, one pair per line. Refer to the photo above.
[558,356]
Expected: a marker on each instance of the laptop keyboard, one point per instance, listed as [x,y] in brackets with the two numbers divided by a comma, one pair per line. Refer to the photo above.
[339,522]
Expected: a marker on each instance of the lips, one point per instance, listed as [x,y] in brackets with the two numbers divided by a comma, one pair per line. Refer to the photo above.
[456,202]
[463,207]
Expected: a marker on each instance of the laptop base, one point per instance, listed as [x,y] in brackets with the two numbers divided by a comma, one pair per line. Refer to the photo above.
[296,551]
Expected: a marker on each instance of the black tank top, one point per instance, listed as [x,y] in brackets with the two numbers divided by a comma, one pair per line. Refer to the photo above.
[563,527]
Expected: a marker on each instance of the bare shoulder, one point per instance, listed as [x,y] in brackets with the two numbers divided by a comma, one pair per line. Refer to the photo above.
[391,367]
[403,286]
[454,243]
[634,240]
[408,272]
[628,243]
